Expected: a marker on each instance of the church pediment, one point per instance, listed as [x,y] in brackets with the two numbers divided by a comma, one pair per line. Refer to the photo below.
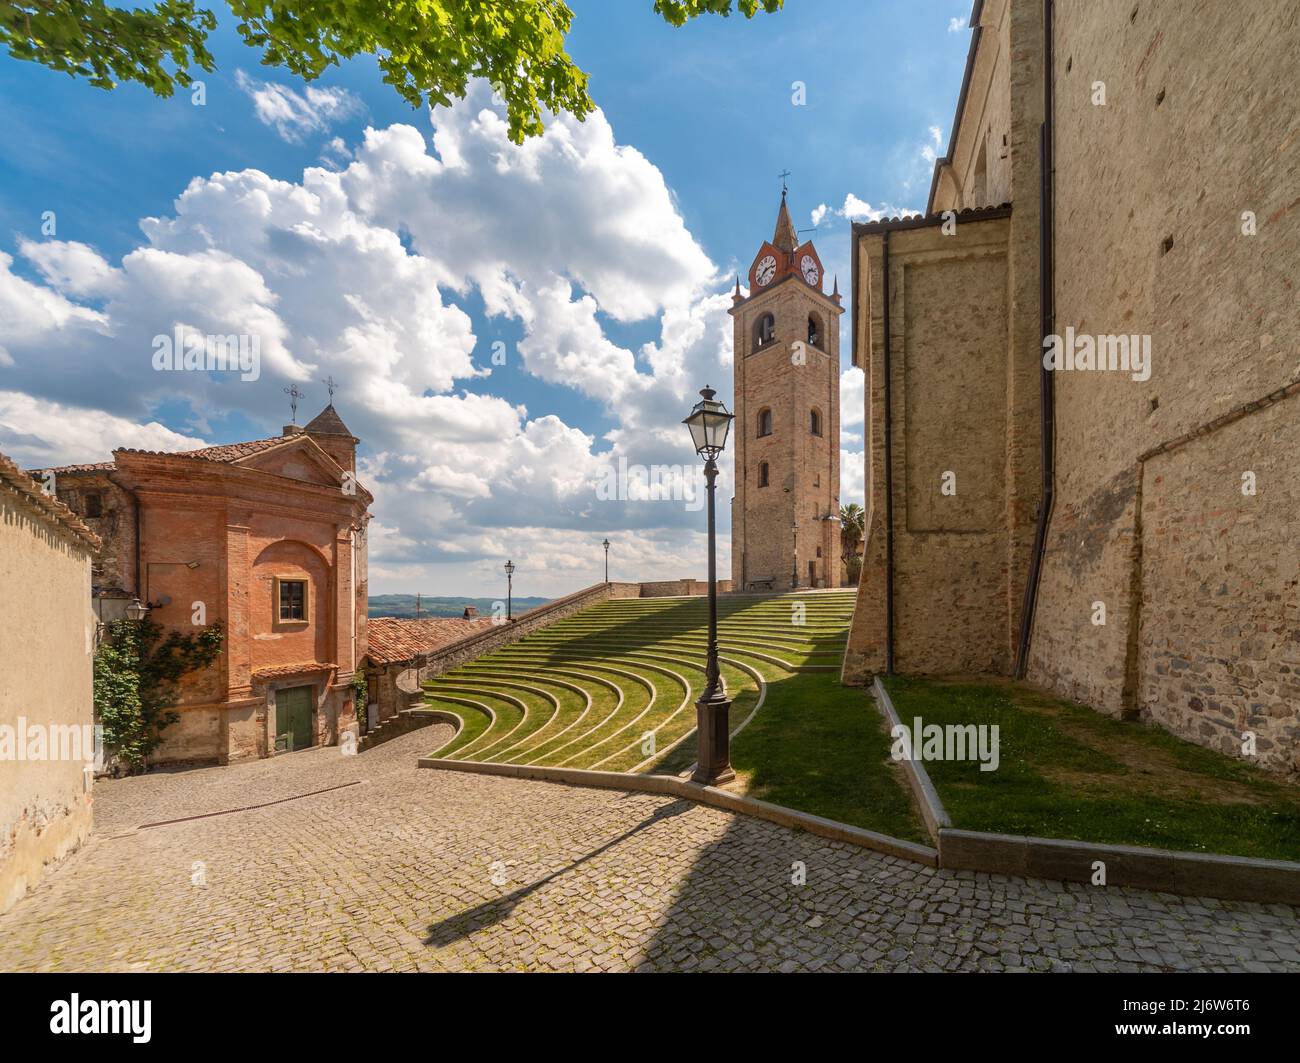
[298,459]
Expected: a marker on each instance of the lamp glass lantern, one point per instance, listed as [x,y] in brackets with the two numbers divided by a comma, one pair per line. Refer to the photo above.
[709,424]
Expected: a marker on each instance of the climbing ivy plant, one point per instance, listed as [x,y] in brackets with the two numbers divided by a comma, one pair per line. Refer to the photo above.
[138,669]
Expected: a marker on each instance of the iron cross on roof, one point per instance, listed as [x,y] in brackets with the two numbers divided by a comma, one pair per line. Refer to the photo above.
[330,384]
[294,395]
[783,175]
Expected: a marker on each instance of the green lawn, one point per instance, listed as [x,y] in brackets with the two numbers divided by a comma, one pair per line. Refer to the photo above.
[824,748]
[1069,772]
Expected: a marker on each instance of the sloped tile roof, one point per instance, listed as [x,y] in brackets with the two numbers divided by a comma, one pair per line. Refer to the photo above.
[391,639]
[94,466]
[226,453]
[22,484]
[281,671]
[921,221]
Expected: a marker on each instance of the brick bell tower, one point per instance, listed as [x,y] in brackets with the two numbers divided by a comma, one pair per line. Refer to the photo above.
[785,530]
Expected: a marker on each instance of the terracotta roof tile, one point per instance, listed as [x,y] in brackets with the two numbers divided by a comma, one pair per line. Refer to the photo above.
[283,670]
[97,466]
[390,639]
[921,221]
[225,452]
[22,484]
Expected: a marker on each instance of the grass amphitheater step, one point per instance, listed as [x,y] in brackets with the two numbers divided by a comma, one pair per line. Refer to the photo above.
[613,688]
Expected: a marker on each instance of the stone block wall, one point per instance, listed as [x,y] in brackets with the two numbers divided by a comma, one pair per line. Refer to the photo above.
[1199,580]
[680,588]
[954,350]
[1218,644]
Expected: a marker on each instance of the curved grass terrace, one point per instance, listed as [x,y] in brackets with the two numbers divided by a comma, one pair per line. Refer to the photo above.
[613,688]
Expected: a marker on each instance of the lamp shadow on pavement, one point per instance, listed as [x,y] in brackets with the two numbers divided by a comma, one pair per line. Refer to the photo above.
[461,925]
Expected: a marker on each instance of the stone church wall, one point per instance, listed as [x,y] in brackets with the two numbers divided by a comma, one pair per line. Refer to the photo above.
[1199,580]
[949,324]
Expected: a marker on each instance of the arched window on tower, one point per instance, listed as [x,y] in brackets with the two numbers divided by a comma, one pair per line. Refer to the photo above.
[814,331]
[764,331]
[815,421]
[762,474]
[765,422]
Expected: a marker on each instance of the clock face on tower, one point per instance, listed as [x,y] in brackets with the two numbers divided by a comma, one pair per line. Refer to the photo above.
[808,265]
[766,270]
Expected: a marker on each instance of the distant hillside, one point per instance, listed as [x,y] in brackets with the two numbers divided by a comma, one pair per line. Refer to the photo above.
[403,605]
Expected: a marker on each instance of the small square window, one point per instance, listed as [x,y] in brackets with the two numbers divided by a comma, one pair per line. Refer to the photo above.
[292,597]
[94,504]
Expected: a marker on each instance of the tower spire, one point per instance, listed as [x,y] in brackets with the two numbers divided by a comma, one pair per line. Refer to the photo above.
[785,237]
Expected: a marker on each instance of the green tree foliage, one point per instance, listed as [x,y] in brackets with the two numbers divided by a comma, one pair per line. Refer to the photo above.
[853,522]
[428,50]
[137,671]
[852,527]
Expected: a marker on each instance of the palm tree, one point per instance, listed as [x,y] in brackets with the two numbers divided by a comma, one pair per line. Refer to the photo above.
[853,521]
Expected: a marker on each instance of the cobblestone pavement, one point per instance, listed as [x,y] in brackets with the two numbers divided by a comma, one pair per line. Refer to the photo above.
[412,869]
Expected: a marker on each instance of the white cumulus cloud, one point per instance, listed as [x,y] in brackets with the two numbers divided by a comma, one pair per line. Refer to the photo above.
[295,114]
[362,272]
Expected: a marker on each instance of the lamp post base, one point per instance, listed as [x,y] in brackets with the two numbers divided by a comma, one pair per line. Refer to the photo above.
[712,719]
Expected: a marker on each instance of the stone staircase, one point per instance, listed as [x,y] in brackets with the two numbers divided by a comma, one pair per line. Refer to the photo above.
[401,723]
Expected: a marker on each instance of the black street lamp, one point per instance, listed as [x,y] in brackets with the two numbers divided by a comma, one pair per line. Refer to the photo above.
[709,424]
[605,544]
[510,586]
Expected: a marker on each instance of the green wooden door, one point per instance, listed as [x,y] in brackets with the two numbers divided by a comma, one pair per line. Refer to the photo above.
[293,716]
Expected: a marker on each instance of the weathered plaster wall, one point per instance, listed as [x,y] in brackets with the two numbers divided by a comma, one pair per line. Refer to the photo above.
[46,643]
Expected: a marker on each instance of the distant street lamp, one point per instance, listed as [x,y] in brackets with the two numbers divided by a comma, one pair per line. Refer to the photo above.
[709,424]
[605,544]
[510,585]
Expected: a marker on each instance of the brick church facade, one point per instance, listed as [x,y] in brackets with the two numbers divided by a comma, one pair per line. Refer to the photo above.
[785,526]
[1121,534]
[268,537]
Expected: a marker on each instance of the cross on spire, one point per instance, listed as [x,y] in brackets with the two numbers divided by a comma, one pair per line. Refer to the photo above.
[294,395]
[783,175]
[330,385]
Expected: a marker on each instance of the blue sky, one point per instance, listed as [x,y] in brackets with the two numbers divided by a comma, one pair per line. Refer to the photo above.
[599,260]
